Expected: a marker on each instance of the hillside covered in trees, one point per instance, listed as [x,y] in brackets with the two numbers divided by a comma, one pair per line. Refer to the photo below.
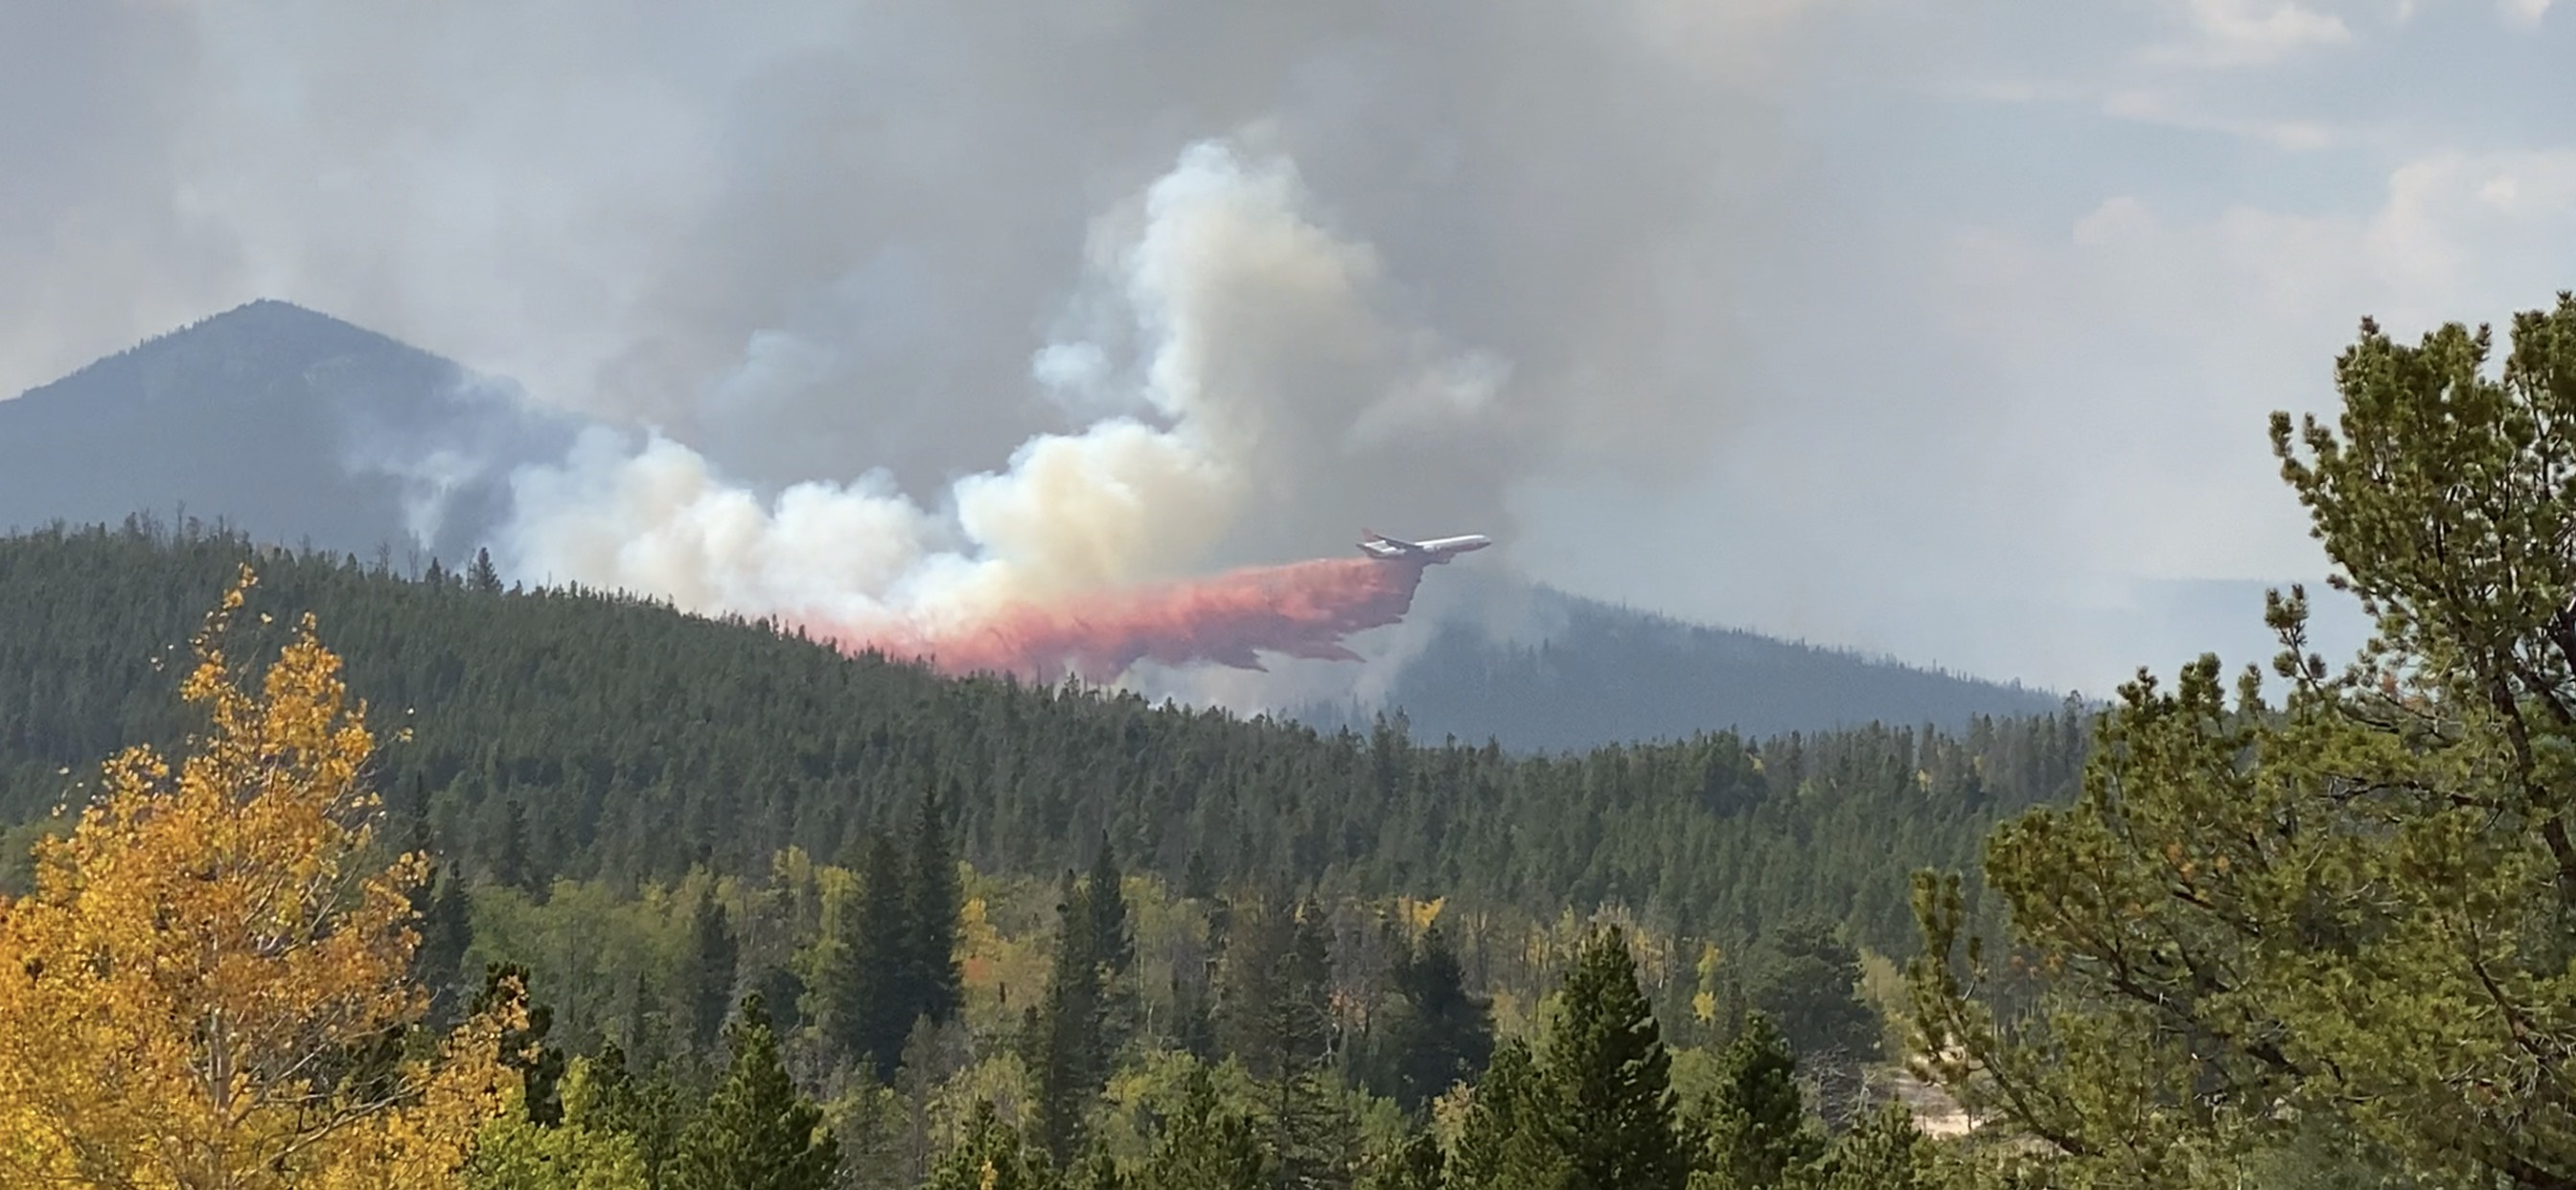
[294,427]
[561,733]
[752,914]
[1600,673]
[721,862]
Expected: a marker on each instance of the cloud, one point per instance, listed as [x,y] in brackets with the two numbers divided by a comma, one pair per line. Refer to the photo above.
[2527,13]
[2225,34]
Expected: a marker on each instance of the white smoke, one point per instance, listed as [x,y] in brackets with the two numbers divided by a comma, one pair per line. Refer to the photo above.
[1248,396]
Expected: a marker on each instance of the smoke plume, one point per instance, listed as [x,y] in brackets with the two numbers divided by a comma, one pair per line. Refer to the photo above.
[1248,398]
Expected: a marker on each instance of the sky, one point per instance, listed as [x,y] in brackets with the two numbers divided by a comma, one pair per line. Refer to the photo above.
[1941,330]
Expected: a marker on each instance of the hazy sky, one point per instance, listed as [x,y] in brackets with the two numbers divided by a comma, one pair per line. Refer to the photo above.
[1939,327]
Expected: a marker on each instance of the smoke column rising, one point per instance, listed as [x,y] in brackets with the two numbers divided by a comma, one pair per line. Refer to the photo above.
[1246,395]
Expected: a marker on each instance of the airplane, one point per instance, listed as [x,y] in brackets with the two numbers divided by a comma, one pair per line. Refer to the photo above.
[1438,549]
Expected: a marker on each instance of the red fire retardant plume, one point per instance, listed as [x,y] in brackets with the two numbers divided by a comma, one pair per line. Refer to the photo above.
[1303,609]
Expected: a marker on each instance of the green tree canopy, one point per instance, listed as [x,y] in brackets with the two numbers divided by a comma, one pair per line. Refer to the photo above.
[1612,1077]
[2350,909]
[757,1132]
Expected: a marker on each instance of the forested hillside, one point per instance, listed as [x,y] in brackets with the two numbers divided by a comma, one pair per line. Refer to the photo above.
[568,734]
[1603,674]
[706,879]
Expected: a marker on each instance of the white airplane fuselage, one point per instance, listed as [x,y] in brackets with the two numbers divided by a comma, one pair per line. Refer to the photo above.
[1431,551]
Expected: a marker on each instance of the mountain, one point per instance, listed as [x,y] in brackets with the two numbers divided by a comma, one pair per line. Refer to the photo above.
[1598,673]
[292,425]
[296,427]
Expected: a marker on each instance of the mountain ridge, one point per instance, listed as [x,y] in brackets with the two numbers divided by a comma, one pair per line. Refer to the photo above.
[296,427]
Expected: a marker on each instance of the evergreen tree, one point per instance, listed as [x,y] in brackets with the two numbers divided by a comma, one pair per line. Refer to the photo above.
[446,933]
[1436,1033]
[2349,910]
[1205,1147]
[1886,1152]
[647,1109]
[1415,1164]
[1063,1041]
[1514,1135]
[1611,1077]
[647,1027]
[783,987]
[481,577]
[1757,1129]
[1113,946]
[989,1156]
[1808,982]
[937,984]
[511,866]
[1274,1011]
[756,1132]
[866,986]
[1198,880]
[707,969]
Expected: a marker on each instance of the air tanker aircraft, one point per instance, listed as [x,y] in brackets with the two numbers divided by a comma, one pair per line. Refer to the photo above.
[1438,549]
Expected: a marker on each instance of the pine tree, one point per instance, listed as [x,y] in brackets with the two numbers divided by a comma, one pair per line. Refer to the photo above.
[865,988]
[1611,1077]
[647,1108]
[1274,1010]
[936,981]
[1757,1127]
[511,866]
[1885,1152]
[1113,946]
[1276,1016]
[1062,1040]
[481,577]
[1436,1033]
[1416,1164]
[707,969]
[2355,900]
[1205,1147]
[446,933]
[1513,1136]
[757,1132]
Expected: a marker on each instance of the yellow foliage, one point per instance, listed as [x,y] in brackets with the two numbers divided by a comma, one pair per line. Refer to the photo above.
[1418,915]
[206,961]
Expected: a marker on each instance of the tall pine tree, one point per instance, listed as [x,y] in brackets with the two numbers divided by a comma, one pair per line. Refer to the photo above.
[1757,1127]
[1063,1040]
[1436,1033]
[1205,1147]
[757,1132]
[707,969]
[866,986]
[1612,1077]
[934,899]
[1513,1135]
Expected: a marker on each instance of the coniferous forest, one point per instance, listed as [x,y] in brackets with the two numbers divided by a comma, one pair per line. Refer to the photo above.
[397,879]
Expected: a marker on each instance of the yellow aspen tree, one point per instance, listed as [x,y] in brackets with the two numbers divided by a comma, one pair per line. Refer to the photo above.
[207,988]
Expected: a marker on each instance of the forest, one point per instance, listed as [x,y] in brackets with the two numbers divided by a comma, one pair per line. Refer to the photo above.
[393,879]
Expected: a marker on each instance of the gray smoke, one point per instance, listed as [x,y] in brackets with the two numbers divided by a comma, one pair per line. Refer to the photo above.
[1925,328]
